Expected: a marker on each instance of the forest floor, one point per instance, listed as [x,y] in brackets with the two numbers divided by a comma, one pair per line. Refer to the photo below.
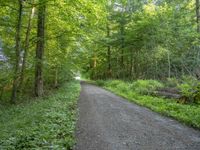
[109,122]
[41,123]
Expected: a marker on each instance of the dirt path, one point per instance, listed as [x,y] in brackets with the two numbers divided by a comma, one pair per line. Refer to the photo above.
[108,122]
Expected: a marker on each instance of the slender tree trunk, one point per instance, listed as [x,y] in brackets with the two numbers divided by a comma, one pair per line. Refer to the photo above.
[1,93]
[17,53]
[198,15]
[156,72]
[122,47]
[56,78]
[122,44]
[40,50]
[27,39]
[169,64]
[198,27]
[136,64]
[131,65]
[109,54]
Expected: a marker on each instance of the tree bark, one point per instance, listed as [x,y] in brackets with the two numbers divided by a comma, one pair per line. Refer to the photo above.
[1,93]
[131,65]
[17,53]
[198,15]
[40,50]
[109,54]
[169,64]
[122,48]
[56,78]
[27,39]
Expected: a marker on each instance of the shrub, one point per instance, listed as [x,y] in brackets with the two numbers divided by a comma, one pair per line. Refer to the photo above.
[123,87]
[114,83]
[146,86]
[190,89]
[118,84]
[100,82]
[171,82]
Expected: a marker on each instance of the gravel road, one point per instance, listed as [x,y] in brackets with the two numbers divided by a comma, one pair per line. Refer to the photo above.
[108,122]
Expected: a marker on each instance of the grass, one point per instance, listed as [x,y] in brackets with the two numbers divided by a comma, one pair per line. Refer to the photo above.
[45,123]
[185,113]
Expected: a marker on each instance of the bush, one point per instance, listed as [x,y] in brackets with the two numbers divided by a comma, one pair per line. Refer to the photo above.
[114,83]
[171,82]
[100,82]
[118,84]
[146,86]
[190,89]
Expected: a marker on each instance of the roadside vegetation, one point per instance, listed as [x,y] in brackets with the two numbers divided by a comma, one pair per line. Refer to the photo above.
[42,123]
[143,92]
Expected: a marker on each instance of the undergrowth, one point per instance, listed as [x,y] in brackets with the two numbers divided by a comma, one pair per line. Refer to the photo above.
[45,123]
[134,92]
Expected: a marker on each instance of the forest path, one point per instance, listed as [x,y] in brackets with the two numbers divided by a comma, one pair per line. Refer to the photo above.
[108,122]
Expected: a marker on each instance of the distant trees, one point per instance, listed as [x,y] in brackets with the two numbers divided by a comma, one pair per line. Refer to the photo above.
[149,40]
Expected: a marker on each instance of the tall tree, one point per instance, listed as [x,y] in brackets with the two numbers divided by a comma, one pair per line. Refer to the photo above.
[26,46]
[17,53]
[109,71]
[198,15]
[40,49]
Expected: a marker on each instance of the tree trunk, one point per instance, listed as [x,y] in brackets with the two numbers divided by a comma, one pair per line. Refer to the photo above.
[40,50]
[169,64]
[1,93]
[122,46]
[131,65]
[109,54]
[56,78]
[17,53]
[27,39]
[198,16]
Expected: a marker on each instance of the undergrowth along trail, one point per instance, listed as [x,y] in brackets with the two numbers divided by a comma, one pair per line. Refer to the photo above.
[185,113]
[44,123]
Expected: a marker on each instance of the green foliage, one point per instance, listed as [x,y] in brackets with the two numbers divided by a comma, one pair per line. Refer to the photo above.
[186,90]
[146,86]
[5,80]
[114,83]
[119,84]
[149,40]
[140,86]
[44,123]
[171,82]
[68,27]
[190,88]
[100,82]
[188,114]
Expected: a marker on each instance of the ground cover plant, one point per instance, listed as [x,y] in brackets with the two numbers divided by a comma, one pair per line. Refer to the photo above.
[44,123]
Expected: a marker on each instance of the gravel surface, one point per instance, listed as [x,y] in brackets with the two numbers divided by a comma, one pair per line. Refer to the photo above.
[109,122]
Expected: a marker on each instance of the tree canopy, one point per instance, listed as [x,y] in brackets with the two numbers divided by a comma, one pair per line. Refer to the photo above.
[44,42]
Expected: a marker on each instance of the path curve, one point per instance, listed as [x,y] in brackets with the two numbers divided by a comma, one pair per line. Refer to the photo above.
[108,122]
